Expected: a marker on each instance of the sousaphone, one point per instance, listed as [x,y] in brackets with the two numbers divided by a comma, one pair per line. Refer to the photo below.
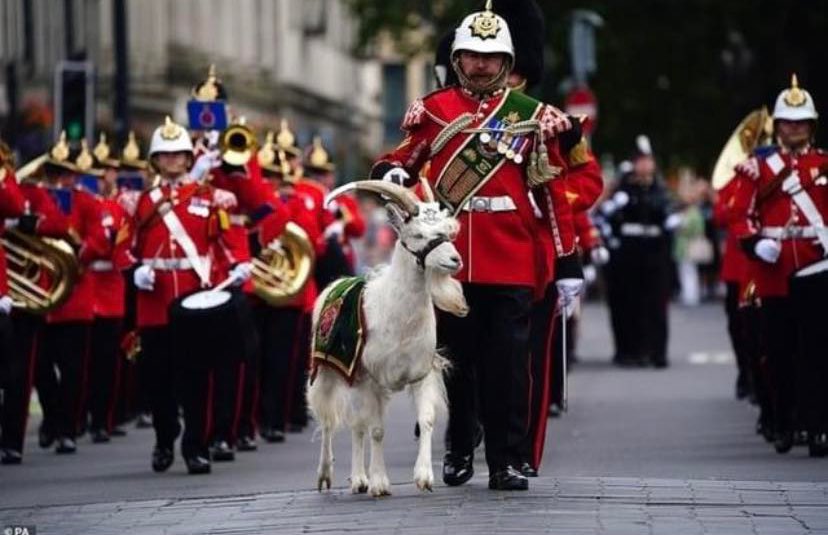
[754,131]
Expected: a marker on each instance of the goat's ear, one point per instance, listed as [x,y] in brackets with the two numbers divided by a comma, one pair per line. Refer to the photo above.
[396,216]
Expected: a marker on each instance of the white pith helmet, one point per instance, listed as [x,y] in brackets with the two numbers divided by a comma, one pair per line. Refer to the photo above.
[170,137]
[484,32]
[795,104]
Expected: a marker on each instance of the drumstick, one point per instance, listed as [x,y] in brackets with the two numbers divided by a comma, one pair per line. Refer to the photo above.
[223,284]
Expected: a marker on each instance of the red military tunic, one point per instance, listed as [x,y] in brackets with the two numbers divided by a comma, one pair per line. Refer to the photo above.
[87,231]
[502,247]
[755,214]
[195,208]
[314,194]
[12,204]
[735,263]
[346,209]
[107,273]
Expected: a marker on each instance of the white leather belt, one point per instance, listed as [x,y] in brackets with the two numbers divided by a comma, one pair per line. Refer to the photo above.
[171,264]
[788,233]
[640,230]
[239,220]
[101,265]
[813,269]
[490,204]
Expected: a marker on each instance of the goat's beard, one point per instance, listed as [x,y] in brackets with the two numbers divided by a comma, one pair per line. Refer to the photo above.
[447,294]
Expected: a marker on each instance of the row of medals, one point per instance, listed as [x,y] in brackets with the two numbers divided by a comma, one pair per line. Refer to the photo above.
[498,139]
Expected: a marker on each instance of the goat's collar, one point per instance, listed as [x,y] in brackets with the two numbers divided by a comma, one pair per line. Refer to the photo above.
[425,251]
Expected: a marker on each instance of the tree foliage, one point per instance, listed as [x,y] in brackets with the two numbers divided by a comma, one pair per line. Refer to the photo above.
[683,71]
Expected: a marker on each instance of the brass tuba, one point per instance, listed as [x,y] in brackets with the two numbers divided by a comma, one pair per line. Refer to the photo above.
[41,271]
[237,143]
[755,130]
[283,268]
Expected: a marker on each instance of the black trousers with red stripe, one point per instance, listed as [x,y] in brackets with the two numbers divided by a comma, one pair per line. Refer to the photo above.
[105,370]
[489,352]
[62,376]
[249,419]
[280,335]
[297,408]
[20,360]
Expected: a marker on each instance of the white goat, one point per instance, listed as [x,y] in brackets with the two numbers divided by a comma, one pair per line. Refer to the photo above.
[401,343]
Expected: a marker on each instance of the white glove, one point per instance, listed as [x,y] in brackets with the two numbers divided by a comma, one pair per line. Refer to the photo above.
[768,250]
[5,305]
[240,273]
[207,161]
[590,274]
[608,207]
[335,229]
[11,222]
[129,201]
[224,199]
[599,255]
[397,176]
[621,199]
[144,278]
[673,221]
[568,292]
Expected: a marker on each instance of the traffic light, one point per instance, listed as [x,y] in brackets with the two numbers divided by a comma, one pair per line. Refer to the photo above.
[74,99]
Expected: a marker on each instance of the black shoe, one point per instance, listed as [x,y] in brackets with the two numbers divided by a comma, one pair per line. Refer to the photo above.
[800,438]
[221,451]
[11,457]
[247,444]
[783,442]
[118,432]
[528,470]
[162,459]
[65,445]
[508,479]
[143,421]
[45,438]
[273,435]
[818,445]
[555,411]
[99,436]
[742,388]
[197,465]
[660,363]
[457,469]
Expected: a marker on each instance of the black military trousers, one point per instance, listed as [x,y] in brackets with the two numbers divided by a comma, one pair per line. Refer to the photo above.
[489,349]
[778,320]
[543,372]
[105,369]
[280,332]
[297,409]
[158,376]
[252,379]
[20,373]
[736,331]
[754,348]
[809,295]
[62,376]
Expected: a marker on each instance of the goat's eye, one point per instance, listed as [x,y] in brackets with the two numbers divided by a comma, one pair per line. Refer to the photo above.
[418,236]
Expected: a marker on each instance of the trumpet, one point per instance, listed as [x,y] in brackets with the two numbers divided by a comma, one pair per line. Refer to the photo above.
[282,269]
[237,144]
[42,271]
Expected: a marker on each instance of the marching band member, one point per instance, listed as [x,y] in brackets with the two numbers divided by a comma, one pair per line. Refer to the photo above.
[779,213]
[179,225]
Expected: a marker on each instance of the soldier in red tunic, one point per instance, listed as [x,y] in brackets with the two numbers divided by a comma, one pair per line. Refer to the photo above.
[179,225]
[779,214]
[498,163]
[64,354]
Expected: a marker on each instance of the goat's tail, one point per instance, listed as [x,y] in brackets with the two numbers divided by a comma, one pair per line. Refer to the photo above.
[327,398]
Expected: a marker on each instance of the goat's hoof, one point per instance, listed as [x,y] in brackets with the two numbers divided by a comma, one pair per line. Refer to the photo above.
[359,485]
[425,485]
[380,487]
[380,493]
[323,480]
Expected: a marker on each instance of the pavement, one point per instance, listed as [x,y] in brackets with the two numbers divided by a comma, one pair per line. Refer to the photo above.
[640,451]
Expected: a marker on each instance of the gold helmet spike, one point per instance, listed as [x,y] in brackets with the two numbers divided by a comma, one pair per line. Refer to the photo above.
[101,150]
[488,5]
[318,155]
[84,162]
[171,130]
[284,165]
[208,90]
[285,140]
[795,96]
[267,155]
[131,152]
[60,152]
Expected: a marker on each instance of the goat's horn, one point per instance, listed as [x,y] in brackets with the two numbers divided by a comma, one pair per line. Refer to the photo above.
[427,191]
[397,194]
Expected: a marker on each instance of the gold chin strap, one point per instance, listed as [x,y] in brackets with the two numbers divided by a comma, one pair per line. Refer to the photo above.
[497,83]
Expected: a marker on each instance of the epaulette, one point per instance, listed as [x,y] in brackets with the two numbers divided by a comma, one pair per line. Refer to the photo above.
[417,111]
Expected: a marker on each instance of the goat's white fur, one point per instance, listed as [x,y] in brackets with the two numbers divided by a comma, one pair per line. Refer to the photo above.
[400,351]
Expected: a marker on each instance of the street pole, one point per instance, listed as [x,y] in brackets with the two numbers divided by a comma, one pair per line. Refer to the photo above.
[121,100]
